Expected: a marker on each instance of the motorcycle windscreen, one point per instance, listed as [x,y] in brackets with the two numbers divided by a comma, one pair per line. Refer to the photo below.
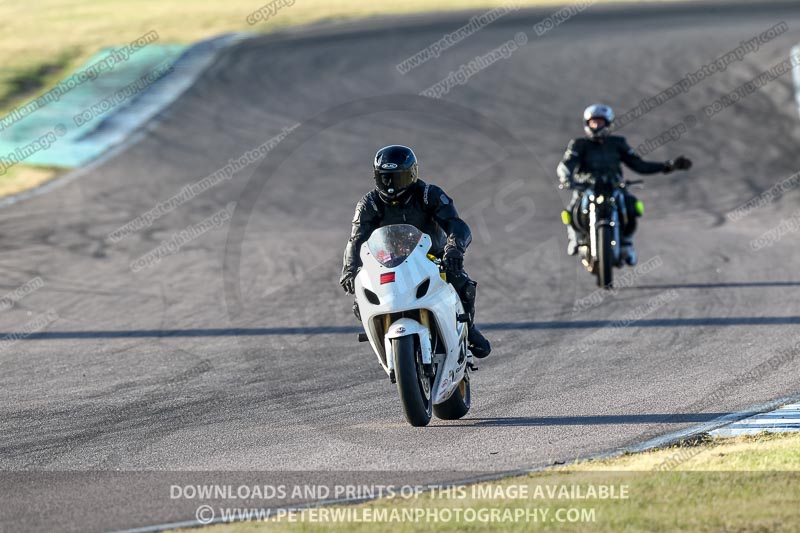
[391,245]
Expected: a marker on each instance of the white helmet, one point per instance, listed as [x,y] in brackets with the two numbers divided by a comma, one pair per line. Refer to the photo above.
[598,111]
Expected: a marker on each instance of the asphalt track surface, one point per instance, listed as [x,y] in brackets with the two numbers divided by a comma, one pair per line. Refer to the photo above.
[239,353]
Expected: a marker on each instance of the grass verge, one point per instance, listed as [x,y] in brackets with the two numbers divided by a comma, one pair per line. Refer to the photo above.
[739,484]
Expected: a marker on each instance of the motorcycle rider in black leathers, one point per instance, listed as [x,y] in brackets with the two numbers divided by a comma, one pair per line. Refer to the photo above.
[400,197]
[602,154]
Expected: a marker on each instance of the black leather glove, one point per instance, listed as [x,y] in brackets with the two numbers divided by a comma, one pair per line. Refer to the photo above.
[679,163]
[348,283]
[453,259]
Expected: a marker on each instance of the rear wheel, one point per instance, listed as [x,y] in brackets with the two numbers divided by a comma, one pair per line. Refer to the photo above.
[412,384]
[605,258]
[457,405]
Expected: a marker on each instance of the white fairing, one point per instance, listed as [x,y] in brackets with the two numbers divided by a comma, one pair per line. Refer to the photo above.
[441,300]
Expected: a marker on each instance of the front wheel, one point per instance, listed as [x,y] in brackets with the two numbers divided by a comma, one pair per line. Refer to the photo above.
[412,384]
[605,257]
[457,405]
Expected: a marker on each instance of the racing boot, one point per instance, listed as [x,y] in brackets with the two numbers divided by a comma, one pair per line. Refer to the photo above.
[572,245]
[575,240]
[627,252]
[478,344]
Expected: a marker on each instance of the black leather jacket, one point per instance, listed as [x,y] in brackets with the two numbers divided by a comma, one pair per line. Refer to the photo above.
[427,208]
[587,158]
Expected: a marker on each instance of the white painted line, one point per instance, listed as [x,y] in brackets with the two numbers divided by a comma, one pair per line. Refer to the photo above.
[706,427]
[187,68]
[782,420]
[796,74]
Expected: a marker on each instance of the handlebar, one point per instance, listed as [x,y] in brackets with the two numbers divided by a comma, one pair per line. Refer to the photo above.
[583,186]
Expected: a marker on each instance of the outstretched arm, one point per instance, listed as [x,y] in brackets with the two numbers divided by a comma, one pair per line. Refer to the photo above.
[637,164]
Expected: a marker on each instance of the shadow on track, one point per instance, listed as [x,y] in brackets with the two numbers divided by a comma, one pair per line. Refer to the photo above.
[587,420]
[648,323]
[722,285]
[352,330]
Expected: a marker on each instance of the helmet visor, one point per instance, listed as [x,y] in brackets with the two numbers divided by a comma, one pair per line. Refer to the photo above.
[395,181]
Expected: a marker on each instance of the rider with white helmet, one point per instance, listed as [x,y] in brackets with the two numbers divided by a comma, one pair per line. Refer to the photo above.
[600,153]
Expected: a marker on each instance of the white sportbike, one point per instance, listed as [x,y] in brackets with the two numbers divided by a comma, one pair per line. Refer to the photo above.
[416,324]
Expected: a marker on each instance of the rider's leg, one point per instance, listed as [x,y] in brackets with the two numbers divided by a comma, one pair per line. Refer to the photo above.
[574,237]
[627,251]
[466,289]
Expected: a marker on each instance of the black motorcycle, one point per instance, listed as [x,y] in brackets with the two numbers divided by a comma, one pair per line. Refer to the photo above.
[600,215]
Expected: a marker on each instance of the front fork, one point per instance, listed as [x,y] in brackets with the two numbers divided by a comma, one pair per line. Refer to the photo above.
[592,231]
[613,222]
[407,327]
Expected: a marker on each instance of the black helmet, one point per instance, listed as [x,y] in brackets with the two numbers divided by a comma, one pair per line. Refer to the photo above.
[395,171]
